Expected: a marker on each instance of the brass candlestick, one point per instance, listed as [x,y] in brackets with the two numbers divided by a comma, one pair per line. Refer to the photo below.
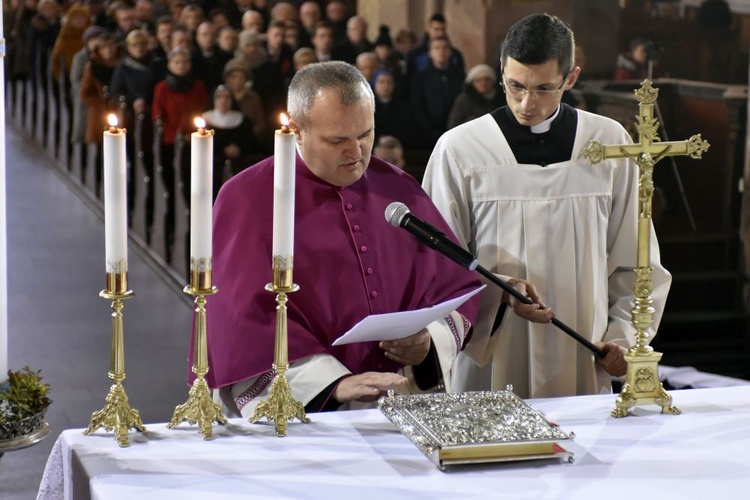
[199,407]
[642,384]
[280,407]
[116,413]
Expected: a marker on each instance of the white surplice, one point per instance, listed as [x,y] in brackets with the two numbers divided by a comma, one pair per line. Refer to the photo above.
[569,228]
[309,376]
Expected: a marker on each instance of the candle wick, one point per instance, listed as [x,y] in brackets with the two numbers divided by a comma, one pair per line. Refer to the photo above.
[112,129]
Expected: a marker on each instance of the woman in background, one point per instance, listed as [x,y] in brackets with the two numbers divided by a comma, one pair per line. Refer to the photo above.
[178,99]
[95,94]
[480,96]
[235,146]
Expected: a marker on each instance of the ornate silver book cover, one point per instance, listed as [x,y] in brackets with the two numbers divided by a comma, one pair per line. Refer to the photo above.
[475,427]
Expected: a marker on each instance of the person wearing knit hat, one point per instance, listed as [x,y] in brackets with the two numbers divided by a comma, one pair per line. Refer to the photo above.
[480,96]
[92,32]
[70,39]
[390,59]
[384,37]
[80,111]
[383,46]
[238,78]
[237,64]
[481,71]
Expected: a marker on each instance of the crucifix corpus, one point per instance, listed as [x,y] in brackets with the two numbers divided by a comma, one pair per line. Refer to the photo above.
[642,384]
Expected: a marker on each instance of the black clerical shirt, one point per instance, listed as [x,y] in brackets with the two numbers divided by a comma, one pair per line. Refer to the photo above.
[553,146]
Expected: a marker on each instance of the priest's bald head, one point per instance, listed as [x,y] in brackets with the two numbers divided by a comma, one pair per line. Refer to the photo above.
[332,107]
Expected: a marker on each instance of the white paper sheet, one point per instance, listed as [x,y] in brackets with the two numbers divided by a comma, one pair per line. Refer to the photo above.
[398,325]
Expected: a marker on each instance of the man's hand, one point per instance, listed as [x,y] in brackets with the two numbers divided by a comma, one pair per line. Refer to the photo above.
[613,361]
[409,351]
[367,387]
[139,106]
[536,312]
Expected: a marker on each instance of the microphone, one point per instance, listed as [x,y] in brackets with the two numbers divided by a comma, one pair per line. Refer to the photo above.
[398,215]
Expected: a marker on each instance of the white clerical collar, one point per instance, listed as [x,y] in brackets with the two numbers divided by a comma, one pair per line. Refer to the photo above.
[543,127]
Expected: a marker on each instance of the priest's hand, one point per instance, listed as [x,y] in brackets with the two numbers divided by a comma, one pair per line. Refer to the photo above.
[366,387]
[536,312]
[613,361]
[409,351]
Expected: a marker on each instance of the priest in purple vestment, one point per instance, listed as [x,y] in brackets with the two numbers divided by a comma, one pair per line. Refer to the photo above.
[348,261]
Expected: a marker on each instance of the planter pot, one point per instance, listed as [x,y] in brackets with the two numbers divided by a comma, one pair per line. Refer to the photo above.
[19,428]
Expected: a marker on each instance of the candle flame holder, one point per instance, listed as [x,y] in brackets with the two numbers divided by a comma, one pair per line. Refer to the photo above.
[200,407]
[117,413]
[280,407]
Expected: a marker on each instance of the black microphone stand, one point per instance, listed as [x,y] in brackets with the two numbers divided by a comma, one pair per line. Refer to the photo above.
[651,50]
[521,297]
[396,215]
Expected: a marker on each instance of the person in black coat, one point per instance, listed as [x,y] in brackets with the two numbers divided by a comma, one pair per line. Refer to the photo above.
[391,111]
[433,90]
[208,59]
[418,57]
[355,43]
[129,86]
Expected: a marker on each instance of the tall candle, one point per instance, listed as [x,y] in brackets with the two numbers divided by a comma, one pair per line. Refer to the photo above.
[201,190]
[283,190]
[115,199]
[3,231]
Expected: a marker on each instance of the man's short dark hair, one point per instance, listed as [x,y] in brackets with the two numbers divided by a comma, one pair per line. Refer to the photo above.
[321,25]
[165,20]
[538,38]
[437,17]
[276,23]
[439,39]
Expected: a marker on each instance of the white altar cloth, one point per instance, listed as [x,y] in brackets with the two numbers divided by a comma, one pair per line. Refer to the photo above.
[359,455]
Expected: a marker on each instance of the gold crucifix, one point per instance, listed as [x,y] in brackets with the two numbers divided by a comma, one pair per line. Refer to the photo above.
[642,384]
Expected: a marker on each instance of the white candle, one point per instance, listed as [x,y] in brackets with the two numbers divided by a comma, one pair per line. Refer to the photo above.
[283,190]
[201,190]
[3,230]
[115,199]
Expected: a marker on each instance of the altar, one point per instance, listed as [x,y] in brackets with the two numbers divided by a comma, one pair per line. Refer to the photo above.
[360,454]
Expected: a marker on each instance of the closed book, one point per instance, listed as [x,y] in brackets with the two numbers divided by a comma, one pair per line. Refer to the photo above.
[475,427]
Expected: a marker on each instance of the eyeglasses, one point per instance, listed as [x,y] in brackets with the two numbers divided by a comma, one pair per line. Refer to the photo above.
[519,91]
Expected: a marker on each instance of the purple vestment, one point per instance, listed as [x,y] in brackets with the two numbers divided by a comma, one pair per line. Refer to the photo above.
[348,262]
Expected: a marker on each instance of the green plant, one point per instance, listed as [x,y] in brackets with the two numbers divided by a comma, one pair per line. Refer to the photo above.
[25,396]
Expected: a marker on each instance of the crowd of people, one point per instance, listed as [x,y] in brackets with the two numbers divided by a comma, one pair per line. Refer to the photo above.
[231,60]
[504,181]
[510,186]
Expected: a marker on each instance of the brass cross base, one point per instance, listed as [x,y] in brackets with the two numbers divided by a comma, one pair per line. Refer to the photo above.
[200,409]
[642,385]
[116,414]
[280,407]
